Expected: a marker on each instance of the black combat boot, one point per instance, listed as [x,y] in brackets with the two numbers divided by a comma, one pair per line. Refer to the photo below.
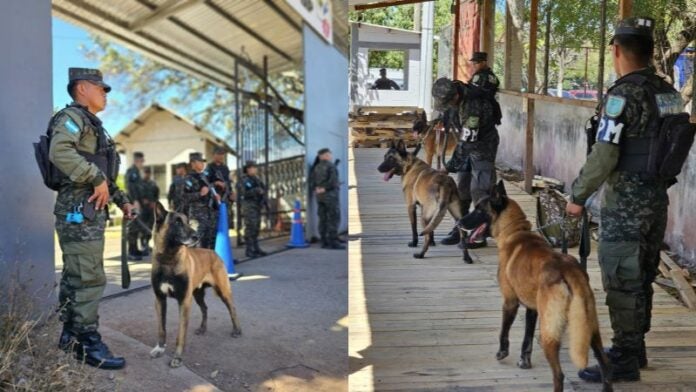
[67,340]
[642,355]
[133,252]
[335,244]
[258,250]
[250,250]
[324,242]
[624,365]
[94,352]
[452,237]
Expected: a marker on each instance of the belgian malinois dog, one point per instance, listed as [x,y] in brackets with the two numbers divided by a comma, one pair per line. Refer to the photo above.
[434,191]
[184,273]
[436,140]
[546,282]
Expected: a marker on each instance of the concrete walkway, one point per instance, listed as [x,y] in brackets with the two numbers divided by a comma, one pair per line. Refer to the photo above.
[292,307]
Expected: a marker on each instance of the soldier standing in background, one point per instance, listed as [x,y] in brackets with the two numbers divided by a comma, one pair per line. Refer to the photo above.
[253,192]
[219,176]
[474,158]
[134,186]
[151,194]
[201,201]
[175,196]
[324,179]
[81,147]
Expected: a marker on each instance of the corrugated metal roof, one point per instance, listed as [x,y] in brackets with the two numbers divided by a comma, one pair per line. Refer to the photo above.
[203,37]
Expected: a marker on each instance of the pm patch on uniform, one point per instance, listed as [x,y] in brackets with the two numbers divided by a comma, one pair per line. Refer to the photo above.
[615,106]
[609,131]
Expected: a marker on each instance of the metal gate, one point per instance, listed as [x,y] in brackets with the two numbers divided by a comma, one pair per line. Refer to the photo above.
[272,133]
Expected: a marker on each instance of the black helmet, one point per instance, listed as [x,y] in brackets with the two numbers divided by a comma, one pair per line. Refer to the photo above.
[444,91]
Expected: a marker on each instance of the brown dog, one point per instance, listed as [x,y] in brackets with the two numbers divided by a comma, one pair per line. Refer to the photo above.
[184,273]
[436,140]
[434,191]
[531,273]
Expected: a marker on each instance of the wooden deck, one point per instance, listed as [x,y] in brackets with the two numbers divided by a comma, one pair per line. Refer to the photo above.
[432,324]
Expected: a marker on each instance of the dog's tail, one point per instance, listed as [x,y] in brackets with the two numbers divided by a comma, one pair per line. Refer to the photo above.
[444,195]
[582,316]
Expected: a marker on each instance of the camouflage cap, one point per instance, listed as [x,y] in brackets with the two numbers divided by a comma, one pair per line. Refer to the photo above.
[323,151]
[138,155]
[196,156]
[90,74]
[180,165]
[640,26]
[248,164]
[219,150]
[479,57]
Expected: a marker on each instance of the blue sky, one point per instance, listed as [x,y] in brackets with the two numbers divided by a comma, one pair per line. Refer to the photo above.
[67,43]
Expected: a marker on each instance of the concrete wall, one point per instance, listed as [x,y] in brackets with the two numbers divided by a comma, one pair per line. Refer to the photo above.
[326,113]
[559,152]
[26,228]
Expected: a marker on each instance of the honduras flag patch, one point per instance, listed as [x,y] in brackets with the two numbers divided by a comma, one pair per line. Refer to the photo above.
[71,126]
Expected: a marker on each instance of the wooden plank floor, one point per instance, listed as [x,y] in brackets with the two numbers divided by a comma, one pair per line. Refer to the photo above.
[432,324]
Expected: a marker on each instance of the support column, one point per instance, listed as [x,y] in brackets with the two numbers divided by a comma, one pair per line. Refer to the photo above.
[531,77]
[426,56]
[513,54]
[602,50]
[26,104]
[267,105]
[455,41]
[488,29]
[238,147]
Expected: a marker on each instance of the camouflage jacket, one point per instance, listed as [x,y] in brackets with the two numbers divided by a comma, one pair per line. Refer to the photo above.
[219,173]
[151,191]
[252,189]
[175,196]
[478,107]
[134,184]
[193,184]
[325,175]
[625,114]
[73,130]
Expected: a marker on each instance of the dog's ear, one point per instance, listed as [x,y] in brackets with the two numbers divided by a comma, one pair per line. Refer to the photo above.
[401,146]
[500,188]
[160,213]
[417,150]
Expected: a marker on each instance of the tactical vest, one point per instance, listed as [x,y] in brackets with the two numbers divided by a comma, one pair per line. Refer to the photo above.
[106,157]
[661,153]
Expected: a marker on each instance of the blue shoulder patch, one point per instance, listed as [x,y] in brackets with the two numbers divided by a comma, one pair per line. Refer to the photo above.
[669,104]
[71,126]
[614,106]
[189,183]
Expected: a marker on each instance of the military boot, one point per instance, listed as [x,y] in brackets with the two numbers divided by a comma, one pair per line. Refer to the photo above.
[624,365]
[67,340]
[336,245]
[94,352]
[642,355]
[452,237]
[324,242]
[258,250]
[133,252]
[250,250]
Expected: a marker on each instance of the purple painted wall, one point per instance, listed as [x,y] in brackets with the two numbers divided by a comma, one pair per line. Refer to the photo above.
[559,152]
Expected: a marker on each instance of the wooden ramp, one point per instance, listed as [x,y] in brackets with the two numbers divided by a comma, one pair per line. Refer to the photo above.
[433,324]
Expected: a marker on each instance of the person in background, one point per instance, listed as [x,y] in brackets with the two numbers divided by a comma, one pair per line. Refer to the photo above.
[324,178]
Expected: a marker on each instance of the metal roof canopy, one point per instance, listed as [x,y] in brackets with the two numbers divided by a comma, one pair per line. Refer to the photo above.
[199,37]
[359,5]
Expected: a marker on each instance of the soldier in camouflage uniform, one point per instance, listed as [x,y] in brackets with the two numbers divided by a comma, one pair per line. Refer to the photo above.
[150,195]
[82,149]
[634,204]
[175,196]
[134,186]
[324,178]
[201,201]
[479,113]
[219,177]
[253,192]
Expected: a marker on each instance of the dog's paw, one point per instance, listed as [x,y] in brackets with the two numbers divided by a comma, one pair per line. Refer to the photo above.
[418,255]
[236,332]
[501,354]
[176,362]
[413,244]
[524,363]
[200,331]
[157,351]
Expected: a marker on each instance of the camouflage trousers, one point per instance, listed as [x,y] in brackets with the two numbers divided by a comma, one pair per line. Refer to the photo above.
[474,181]
[329,217]
[251,211]
[83,279]
[633,222]
[206,219]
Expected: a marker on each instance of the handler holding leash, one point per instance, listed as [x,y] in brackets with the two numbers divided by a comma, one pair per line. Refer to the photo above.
[637,112]
[474,158]
[81,148]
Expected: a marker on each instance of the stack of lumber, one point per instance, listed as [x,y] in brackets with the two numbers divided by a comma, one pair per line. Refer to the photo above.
[376,126]
[678,278]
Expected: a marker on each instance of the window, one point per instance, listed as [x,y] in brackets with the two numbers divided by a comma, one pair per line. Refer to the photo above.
[394,62]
